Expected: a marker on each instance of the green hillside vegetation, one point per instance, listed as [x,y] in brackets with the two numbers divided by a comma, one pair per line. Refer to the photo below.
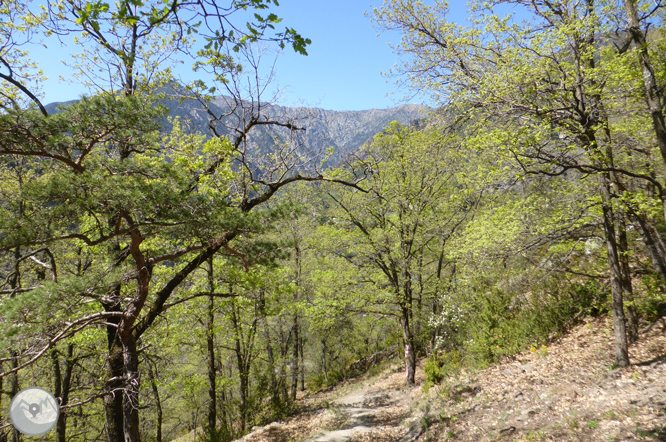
[164,281]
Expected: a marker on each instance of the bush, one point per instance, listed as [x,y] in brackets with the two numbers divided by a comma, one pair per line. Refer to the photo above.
[652,305]
[504,326]
[432,368]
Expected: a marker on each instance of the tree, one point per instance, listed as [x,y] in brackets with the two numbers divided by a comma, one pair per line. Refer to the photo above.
[415,199]
[538,90]
[147,212]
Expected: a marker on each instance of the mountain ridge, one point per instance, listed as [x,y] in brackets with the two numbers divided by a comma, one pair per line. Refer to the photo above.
[345,130]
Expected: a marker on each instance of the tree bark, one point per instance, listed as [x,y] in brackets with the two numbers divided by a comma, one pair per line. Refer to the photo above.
[408,336]
[16,436]
[653,244]
[275,392]
[652,92]
[627,289]
[14,283]
[3,434]
[597,135]
[617,304]
[131,393]
[61,388]
[323,359]
[158,406]
[113,400]
[302,371]
[294,359]
[243,368]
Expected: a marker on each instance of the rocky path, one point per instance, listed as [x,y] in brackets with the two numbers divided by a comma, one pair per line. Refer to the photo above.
[372,410]
[567,391]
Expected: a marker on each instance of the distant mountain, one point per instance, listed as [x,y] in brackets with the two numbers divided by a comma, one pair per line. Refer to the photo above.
[345,131]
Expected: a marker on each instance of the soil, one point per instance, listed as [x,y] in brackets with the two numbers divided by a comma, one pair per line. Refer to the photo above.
[366,409]
[567,391]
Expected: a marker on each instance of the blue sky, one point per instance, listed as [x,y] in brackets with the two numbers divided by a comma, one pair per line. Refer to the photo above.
[341,72]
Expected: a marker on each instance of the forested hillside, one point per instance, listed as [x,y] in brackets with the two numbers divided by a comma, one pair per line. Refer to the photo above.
[170,274]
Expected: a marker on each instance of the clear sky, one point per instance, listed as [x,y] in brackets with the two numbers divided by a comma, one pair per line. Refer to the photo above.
[341,72]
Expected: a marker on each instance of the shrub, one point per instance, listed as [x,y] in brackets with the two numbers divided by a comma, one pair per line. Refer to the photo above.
[432,368]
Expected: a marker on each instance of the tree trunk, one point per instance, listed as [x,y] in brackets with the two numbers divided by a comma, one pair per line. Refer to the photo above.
[653,244]
[294,359]
[61,388]
[16,436]
[158,406]
[284,350]
[407,303]
[131,393]
[3,434]
[302,371]
[275,392]
[627,289]
[409,341]
[113,401]
[242,367]
[14,283]
[619,327]
[323,359]
[652,91]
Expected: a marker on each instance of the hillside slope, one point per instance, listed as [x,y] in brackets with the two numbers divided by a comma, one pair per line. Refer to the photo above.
[345,131]
[567,391]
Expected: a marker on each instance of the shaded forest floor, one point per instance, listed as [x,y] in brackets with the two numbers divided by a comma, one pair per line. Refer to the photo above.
[567,391]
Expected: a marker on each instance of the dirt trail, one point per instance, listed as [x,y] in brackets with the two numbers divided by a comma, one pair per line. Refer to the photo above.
[567,391]
[371,410]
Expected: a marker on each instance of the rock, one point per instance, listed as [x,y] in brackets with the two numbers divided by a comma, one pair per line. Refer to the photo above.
[615,374]
[523,417]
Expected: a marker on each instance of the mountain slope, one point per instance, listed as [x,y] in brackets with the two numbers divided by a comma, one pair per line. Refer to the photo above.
[345,131]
